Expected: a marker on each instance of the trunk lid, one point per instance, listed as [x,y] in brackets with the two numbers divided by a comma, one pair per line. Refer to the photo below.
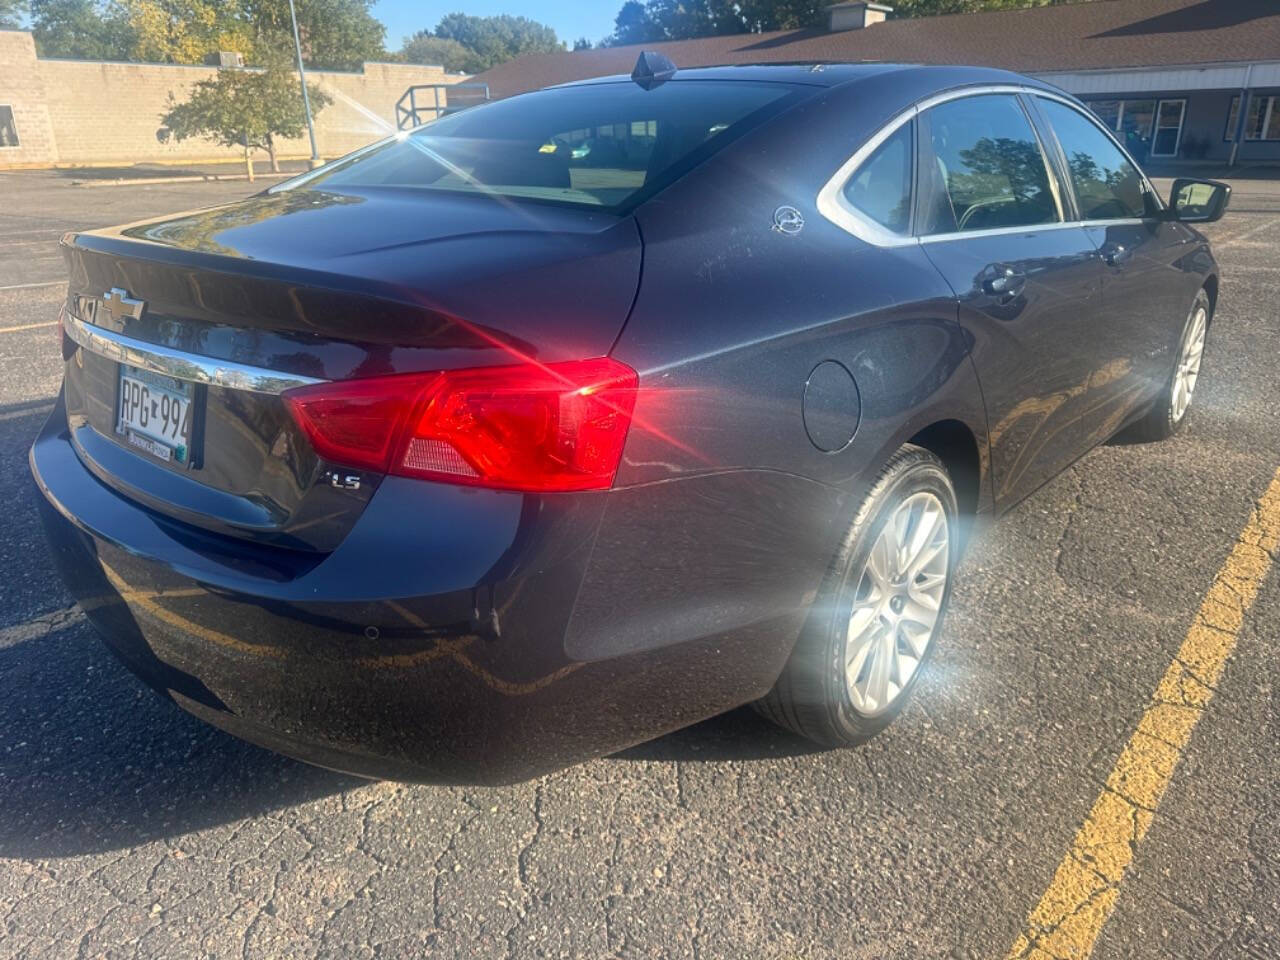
[314,285]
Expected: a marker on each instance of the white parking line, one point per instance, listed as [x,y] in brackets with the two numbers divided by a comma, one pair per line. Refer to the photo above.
[32,286]
[26,412]
[1241,237]
[40,626]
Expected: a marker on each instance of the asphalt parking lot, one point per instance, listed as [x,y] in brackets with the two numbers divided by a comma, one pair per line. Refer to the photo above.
[129,829]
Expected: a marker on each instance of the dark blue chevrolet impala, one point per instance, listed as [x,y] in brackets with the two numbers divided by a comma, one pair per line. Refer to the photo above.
[567,420]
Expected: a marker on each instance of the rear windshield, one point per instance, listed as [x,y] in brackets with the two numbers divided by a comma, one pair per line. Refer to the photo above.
[600,145]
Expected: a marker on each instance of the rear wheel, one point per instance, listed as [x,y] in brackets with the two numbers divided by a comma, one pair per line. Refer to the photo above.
[874,624]
[1169,412]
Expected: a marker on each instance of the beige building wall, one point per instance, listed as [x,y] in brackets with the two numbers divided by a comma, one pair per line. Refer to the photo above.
[89,112]
[22,89]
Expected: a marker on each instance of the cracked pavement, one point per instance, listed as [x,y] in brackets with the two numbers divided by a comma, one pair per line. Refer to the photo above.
[130,829]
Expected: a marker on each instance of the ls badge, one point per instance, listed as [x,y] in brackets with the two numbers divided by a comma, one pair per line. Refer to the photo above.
[788,220]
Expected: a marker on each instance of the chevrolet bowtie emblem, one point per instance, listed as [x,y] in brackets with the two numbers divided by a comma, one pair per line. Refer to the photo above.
[119,306]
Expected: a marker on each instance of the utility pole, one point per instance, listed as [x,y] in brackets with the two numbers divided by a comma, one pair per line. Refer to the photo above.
[1238,134]
[306,100]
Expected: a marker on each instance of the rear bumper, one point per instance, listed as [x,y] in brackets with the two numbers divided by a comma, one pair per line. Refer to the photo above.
[456,635]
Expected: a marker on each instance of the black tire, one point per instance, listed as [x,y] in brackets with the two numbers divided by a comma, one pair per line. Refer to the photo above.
[811,697]
[1163,420]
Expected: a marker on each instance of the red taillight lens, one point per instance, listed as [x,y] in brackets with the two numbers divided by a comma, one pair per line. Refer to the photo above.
[553,427]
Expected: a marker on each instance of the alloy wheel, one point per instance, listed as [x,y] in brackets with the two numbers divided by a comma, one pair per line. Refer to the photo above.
[897,603]
[1188,370]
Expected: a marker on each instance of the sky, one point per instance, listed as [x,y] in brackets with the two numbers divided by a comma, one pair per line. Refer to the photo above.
[569,18]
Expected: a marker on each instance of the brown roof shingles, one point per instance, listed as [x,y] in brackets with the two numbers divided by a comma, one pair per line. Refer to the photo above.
[1078,36]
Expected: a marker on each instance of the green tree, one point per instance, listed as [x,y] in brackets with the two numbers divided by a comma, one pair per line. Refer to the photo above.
[426,47]
[11,12]
[582,43]
[336,34]
[494,40]
[81,30]
[184,31]
[633,24]
[657,20]
[246,108]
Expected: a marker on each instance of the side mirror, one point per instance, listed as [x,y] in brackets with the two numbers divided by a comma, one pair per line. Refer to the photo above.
[1198,201]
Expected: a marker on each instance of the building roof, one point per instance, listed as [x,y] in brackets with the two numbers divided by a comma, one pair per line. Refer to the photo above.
[1102,34]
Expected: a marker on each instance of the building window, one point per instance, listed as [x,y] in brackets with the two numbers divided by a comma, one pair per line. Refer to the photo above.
[1108,112]
[1261,120]
[8,129]
[1128,117]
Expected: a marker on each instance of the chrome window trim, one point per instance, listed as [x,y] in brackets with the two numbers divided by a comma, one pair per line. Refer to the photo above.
[998,231]
[831,202]
[179,364]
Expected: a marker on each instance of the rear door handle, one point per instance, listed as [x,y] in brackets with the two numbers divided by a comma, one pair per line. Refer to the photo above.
[1114,254]
[1004,282]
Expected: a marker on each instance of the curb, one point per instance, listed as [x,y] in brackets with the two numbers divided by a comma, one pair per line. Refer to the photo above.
[195,178]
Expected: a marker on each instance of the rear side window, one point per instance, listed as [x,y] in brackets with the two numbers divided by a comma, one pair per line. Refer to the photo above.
[599,145]
[1107,185]
[988,169]
[881,188]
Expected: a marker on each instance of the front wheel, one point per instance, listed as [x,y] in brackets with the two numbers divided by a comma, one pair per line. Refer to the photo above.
[873,626]
[1169,412]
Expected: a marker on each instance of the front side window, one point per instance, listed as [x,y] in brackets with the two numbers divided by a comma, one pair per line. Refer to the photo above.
[1107,185]
[881,187]
[990,171]
[601,145]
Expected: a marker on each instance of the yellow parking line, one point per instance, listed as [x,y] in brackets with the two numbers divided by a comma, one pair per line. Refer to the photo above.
[1066,922]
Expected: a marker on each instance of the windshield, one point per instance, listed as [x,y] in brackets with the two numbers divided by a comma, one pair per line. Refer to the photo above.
[602,145]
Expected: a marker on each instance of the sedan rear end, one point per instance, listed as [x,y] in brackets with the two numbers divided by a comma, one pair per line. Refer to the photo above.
[335,467]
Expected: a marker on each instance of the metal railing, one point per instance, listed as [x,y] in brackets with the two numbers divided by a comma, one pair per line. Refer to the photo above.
[415,107]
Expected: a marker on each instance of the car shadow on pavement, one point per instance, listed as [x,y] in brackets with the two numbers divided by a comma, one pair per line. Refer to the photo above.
[94,761]
[91,760]
[740,734]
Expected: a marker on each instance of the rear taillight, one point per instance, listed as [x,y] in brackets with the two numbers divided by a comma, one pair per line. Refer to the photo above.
[549,427]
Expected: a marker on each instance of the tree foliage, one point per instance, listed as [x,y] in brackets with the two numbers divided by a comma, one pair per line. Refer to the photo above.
[246,108]
[80,29]
[11,12]
[494,40]
[649,21]
[184,31]
[426,47]
[656,20]
[337,34]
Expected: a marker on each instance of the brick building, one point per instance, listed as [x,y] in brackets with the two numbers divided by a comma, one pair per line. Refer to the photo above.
[90,112]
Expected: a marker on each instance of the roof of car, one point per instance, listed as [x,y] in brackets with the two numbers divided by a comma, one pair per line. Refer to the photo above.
[816,74]
[915,77]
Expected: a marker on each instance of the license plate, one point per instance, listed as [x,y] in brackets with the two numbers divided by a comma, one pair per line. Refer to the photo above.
[155,414]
